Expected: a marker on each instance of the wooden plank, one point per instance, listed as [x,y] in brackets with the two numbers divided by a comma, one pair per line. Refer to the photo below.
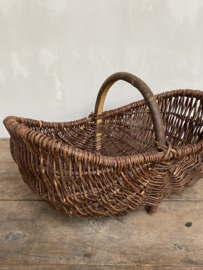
[33,233]
[5,155]
[12,187]
[95,267]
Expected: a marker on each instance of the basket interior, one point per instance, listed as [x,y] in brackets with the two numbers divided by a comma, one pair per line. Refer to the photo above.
[129,130]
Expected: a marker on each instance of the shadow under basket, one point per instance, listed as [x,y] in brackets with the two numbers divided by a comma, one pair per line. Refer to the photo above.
[115,161]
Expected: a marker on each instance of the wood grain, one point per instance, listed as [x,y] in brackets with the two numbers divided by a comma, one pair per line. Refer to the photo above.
[12,186]
[95,267]
[5,155]
[33,233]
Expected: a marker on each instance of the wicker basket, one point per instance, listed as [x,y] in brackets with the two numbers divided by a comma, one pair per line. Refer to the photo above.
[115,161]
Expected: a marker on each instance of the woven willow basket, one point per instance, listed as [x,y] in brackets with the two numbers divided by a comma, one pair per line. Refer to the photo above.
[115,161]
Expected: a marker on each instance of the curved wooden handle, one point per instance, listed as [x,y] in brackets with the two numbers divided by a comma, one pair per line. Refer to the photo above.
[144,90]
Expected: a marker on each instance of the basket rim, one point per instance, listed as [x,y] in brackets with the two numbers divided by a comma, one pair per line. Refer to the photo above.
[27,135]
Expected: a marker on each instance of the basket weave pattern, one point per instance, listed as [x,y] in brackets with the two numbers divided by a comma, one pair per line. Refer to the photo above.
[79,173]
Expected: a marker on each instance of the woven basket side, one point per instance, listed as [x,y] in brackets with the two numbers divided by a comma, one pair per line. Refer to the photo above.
[182,112]
[75,187]
[80,182]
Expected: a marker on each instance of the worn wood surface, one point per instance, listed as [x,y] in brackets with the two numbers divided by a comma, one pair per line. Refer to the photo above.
[94,267]
[33,236]
[5,155]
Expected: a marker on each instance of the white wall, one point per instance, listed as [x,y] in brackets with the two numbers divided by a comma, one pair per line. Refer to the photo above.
[55,54]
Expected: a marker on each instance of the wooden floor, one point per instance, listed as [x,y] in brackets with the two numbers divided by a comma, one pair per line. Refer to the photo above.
[33,236]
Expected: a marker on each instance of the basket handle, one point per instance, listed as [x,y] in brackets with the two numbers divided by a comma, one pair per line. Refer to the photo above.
[144,90]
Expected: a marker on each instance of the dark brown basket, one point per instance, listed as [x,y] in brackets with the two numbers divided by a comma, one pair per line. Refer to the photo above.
[116,161]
